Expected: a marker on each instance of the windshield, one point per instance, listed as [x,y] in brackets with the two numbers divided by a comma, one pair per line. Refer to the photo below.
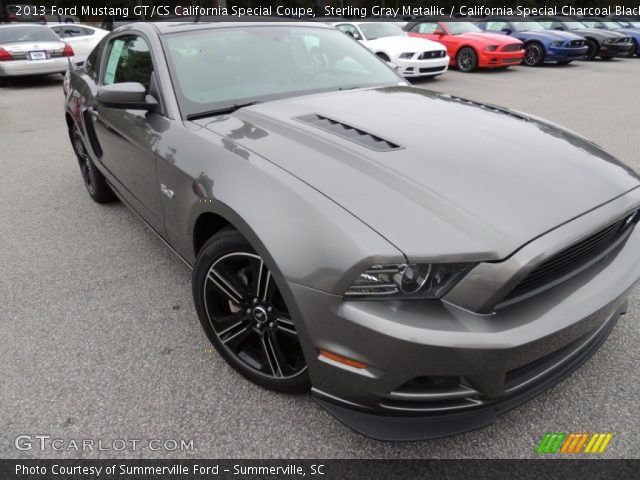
[222,67]
[27,33]
[528,26]
[456,28]
[371,31]
[611,25]
[574,25]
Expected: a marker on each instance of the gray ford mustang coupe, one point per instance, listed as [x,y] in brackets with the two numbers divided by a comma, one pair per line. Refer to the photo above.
[420,262]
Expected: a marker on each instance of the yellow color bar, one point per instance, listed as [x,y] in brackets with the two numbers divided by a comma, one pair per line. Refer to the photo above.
[593,439]
[605,442]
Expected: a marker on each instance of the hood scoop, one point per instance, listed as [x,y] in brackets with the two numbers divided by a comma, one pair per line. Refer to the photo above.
[353,134]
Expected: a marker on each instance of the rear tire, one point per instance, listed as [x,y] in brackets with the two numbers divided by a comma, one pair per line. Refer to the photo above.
[467,60]
[245,316]
[592,49]
[534,54]
[94,181]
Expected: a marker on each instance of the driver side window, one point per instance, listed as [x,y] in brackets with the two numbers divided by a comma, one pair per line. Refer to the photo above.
[428,27]
[129,60]
[497,26]
[350,30]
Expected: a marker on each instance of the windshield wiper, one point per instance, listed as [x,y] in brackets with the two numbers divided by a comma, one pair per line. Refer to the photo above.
[220,111]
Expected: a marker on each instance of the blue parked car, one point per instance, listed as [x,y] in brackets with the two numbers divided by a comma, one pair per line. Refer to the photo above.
[633,31]
[540,45]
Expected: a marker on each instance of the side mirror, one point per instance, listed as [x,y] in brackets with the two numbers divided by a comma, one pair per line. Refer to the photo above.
[559,28]
[440,33]
[507,31]
[128,95]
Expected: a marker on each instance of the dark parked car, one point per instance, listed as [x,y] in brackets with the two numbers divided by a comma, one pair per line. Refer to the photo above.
[419,285]
[605,24]
[603,43]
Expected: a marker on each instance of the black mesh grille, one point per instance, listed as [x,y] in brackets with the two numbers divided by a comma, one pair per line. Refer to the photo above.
[350,133]
[569,261]
[512,47]
[434,54]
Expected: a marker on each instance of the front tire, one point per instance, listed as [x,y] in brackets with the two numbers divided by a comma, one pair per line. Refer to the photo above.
[245,316]
[467,60]
[534,54]
[94,181]
[592,49]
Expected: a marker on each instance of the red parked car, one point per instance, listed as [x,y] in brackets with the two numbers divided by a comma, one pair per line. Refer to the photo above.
[468,46]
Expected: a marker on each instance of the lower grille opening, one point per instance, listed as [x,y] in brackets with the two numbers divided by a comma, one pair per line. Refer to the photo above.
[431,69]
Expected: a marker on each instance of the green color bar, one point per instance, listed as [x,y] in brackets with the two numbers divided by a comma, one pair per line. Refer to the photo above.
[559,439]
[543,443]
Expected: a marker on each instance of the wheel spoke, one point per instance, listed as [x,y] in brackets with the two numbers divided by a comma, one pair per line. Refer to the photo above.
[234,338]
[264,281]
[225,286]
[270,355]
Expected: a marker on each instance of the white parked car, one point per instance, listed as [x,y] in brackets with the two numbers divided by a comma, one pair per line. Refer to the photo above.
[27,49]
[413,57]
[82,38]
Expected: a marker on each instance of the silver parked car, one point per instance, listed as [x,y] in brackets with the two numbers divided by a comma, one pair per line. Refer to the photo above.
[421,262]
[31,50]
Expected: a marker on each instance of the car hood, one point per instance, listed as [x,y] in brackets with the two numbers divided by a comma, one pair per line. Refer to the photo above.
[598,32]
[486,38]
[404,44]
[552,35]
[466,182]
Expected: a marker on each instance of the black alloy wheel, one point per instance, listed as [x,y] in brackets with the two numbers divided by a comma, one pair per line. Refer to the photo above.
[592,49]
[93,180]
[245,316]
[467,60]
[534,54]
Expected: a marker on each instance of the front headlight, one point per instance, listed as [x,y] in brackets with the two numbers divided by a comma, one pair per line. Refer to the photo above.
[557,44]
[407,55]
[408,281]
[491,48]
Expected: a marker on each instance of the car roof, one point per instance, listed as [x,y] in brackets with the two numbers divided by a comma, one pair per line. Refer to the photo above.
[205,24]
[23,24]
[63,24]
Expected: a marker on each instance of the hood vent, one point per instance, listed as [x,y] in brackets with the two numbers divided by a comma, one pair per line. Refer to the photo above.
[350,133]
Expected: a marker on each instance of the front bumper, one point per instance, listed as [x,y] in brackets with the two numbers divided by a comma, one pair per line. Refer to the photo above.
[616,50]
[422,68]
[497,361]
[500,59]
[560,54]
[18,68]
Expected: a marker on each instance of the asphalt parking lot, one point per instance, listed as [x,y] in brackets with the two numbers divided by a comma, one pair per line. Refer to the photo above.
[99,338]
